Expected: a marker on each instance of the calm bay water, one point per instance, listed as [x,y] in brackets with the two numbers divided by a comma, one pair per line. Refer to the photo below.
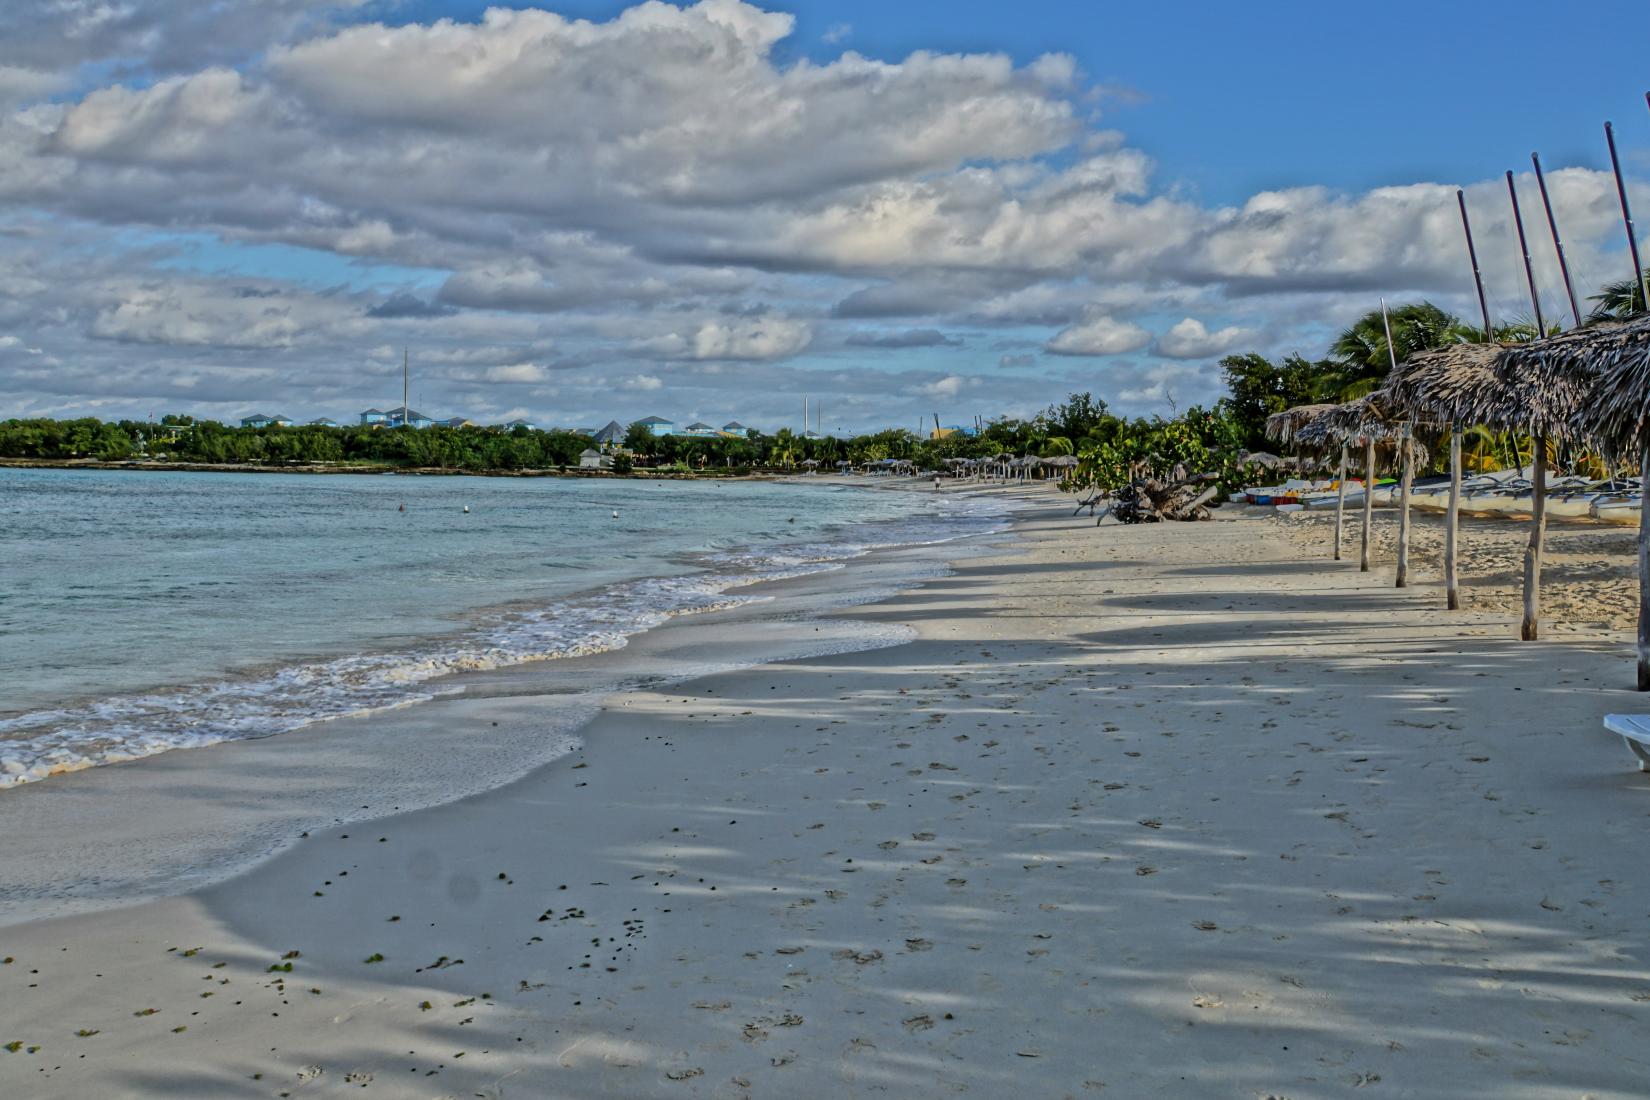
[141,612]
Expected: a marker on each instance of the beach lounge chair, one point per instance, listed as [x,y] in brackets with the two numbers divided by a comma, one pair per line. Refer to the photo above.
[1635,731]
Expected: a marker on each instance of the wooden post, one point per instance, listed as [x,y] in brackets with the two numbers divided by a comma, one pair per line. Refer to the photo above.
[1369,501]
[1340,501]
[1530,630]
[1404,480]
[1453,519]
[1644,576]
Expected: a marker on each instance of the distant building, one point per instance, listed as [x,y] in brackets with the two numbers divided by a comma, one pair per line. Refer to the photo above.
[609,436]
[454,422]
[401,416]
[733,427]
[260,420]
[514,424]
[374,416]
[658,425]
[592,459]
[323,422]
[951,430]
[699,429]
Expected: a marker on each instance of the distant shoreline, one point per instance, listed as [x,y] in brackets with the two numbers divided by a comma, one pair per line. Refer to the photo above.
[643,474]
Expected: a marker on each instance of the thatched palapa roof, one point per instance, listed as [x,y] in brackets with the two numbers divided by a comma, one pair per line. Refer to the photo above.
[1545,386]
[1282,427]
[1598,379]
[1371,418]
[1445,385]
[1368,417]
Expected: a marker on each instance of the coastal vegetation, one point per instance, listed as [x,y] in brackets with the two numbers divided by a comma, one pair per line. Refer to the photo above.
[1109,449]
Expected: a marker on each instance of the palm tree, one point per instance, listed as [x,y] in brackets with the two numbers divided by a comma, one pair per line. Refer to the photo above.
[1415,327]
[1054,446]
[1361,350]
[1618,301]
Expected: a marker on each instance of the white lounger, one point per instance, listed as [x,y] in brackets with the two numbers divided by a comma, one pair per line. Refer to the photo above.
[1635,731]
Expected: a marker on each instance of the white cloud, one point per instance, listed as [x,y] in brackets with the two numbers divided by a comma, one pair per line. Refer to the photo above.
[949,386]
[1099,336]
[516,372]
[1191,339]
[760,339]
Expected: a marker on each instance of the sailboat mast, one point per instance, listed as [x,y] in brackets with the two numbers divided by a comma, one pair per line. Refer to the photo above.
[404,379]
[1477,278]
[1524,247]
[1627,216]
[1558,245]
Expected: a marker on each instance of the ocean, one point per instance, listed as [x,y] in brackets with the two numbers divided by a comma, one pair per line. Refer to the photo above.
[143,612]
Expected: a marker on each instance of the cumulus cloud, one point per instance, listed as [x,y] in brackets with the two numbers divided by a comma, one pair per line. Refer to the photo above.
[905,338]
[1023,360]
[402,304]
[1191,339]
[516,373]
[155,35]
[764,338]
[949,386]
[1099,336]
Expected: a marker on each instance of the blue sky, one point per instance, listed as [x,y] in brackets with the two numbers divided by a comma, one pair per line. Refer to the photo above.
[260,202]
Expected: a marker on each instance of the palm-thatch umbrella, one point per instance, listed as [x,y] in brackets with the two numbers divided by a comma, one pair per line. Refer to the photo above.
[1281,427]
[1285,427]
[1617,416]
[1541,386]
[1368,421]
[1431,387]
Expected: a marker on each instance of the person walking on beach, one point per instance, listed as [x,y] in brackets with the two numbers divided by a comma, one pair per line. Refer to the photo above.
[936,483]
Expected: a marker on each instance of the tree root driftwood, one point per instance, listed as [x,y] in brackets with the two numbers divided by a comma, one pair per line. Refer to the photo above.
[1150,501]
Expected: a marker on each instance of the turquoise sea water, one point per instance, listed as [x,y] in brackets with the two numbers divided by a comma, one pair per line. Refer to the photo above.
[147,611]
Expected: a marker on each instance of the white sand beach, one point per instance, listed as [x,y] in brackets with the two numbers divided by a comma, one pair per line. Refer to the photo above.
[1173,811]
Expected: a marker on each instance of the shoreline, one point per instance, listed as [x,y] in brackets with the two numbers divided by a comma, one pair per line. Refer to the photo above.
[1167,810]
[62,823]
[636,474]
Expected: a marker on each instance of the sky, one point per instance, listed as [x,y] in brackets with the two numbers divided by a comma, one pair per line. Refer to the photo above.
[585,211]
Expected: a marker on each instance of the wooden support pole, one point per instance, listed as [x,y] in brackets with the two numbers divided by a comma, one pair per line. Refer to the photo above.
[1644,575]
[1452,520]
[1340,501]
[1369,502]
[1530,629]
[1404,481]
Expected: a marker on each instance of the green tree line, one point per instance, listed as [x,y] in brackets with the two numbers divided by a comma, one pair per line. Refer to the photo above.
[1110,449]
